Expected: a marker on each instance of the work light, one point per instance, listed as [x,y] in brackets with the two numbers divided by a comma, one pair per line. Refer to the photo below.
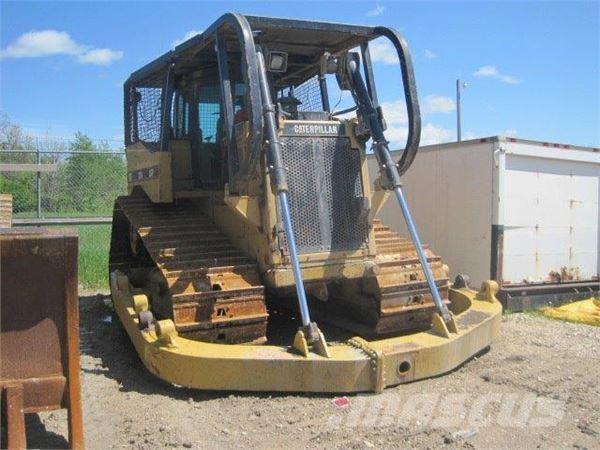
[278,61]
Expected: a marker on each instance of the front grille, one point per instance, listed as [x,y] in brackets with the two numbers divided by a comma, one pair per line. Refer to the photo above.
[325,193]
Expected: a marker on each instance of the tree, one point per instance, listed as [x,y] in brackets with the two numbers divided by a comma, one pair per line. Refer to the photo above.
[86,182]
[20,184]
[93,179]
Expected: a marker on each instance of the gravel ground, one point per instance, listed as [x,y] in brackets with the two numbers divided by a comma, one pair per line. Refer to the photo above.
[538,386]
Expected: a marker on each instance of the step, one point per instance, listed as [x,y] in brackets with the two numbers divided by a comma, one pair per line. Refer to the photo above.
[389,240]
[173,252]
[228,252]
[161,221]
[173,266]
[386,234]
[173,242]
[174,232]
[192,274]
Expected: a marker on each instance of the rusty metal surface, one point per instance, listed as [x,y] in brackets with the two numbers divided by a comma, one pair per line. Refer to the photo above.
[213,292]
[394,300]
[209,288]
[39,321]
[530,296]
[13,418]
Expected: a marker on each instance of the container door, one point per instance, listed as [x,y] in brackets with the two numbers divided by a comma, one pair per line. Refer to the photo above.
[550,220]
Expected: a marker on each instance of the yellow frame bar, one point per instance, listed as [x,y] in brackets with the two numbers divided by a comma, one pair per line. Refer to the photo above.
[354,366]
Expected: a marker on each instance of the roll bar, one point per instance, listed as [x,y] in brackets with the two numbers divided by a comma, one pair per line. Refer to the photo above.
[410,95]
[250,73]
[244,32]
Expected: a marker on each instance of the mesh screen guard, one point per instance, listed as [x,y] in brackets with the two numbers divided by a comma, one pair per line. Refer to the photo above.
[325,193]
[309,93]
[144,112]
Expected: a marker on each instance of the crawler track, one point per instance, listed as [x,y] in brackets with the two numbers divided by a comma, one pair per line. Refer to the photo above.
[393,300]
[197,278]
[400,288]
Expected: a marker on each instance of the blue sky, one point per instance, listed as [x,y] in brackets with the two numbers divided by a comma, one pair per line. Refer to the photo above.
[532,68]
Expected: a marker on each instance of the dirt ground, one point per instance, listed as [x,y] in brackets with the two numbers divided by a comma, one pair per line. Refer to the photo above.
[538,386]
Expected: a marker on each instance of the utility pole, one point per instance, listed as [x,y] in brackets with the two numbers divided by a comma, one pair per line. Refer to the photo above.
[459,86]
[38,180]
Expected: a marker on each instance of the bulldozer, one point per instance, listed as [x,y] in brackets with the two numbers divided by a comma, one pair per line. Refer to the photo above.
[248,254]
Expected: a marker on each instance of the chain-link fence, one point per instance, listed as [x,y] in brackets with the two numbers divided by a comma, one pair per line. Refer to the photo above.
[63,180]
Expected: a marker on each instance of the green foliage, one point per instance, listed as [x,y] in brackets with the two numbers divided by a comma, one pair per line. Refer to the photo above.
[20,186]
[95,180]
[94,245]
[86,183]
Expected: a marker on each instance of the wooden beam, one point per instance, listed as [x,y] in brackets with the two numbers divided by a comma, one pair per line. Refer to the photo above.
[62,221]
[28,167]
[6,210]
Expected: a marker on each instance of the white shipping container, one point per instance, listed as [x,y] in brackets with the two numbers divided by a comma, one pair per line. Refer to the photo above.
[522,212]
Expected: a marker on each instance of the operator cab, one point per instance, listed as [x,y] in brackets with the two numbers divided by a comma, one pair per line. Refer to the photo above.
[201,101]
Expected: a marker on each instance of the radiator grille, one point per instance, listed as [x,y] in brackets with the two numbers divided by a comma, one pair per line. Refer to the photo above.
[326,194]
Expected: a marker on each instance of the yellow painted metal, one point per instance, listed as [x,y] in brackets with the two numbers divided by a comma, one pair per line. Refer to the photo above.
[354,366]
[249,217]
[583,311]
[246,206]
[151,171]
[378,198]
[140,302]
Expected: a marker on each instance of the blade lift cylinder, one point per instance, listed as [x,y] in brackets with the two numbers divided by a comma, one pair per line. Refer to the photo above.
[353,79]
[309,333]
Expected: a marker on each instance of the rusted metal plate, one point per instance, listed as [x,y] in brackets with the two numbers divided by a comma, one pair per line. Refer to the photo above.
[13,418]
[523,297]
[39,321]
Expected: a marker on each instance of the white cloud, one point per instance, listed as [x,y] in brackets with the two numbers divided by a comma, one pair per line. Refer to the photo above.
[493,72]
[437,104]
[100,56]
[486,71]
[190,34]
[509,133]
[396,118]
[430,54]
[396,135]
[509,79]
[42,43]
[395,112]
[432,134]
[383,52]
[397,121]
[36,44]
[377,11]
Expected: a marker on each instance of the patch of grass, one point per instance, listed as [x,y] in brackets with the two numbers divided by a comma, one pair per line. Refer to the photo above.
[94,245]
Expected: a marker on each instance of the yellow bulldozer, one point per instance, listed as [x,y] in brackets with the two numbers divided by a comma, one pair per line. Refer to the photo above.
[251,218]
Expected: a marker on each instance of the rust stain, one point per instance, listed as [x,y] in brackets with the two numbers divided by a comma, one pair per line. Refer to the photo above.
[564,274]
